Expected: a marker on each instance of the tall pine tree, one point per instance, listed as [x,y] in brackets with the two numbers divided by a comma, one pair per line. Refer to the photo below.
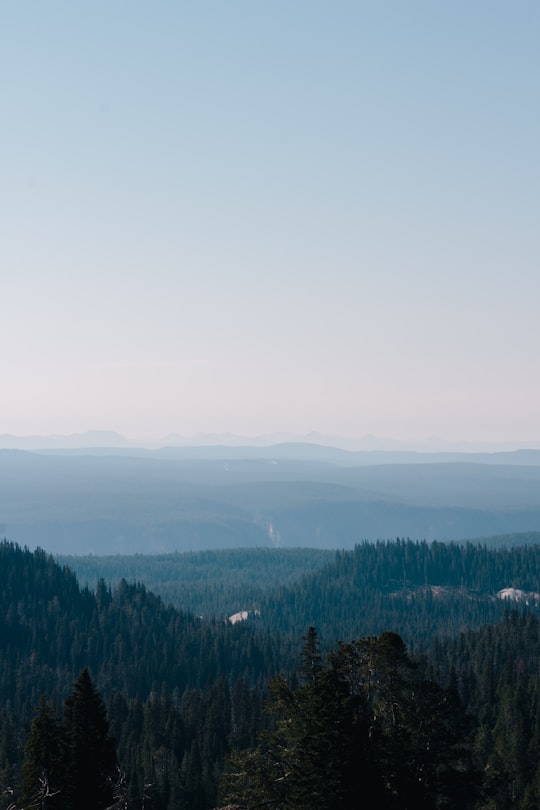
[91,764]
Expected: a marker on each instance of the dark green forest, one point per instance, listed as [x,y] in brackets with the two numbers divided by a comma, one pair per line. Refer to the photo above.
[207,583]
[415,589]
[393,668]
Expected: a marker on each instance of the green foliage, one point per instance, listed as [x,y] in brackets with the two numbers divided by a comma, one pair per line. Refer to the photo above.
[70,765]
[207,583]
[45,760]
[495,670]
[9,758]
[181,692]
[91,763]
[418,589]
[362,723]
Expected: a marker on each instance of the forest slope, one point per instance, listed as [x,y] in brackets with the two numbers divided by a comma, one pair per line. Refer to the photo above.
[182,692]
[418,589]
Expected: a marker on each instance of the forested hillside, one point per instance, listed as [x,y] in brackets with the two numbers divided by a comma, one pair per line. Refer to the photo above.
[417,589]
[420,590]
[182,694]
[207,583]
[158,668]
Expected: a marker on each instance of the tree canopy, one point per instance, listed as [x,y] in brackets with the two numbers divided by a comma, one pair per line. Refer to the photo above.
[360,722]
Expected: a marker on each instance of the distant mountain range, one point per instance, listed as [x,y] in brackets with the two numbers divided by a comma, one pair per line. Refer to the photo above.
[123,499]
[108,440]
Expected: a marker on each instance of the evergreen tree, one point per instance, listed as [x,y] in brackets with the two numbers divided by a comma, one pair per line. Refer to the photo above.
[91,764]
[361,723]
[9,757]
[43,771]
[315,755]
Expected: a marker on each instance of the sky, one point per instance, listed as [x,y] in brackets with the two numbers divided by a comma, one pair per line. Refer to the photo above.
[270,217]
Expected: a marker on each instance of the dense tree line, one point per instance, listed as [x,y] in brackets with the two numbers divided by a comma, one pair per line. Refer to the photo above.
[496,671]
[418,589]
[207,583]
[181,694]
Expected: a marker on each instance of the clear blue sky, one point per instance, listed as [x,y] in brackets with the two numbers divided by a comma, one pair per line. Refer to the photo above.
[270,216]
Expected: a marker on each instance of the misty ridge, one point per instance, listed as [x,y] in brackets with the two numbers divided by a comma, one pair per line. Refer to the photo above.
[125,500]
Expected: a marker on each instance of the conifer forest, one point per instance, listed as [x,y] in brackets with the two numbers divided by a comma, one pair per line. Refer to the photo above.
[394,670]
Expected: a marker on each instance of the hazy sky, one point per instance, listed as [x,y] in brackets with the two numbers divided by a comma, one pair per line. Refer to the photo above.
[270,216]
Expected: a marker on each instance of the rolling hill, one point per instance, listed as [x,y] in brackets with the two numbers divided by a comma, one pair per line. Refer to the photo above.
[119,501]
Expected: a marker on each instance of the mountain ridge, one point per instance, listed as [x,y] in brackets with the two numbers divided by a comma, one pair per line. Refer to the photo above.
[109,439]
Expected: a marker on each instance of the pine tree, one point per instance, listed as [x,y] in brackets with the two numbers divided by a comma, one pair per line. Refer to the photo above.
[92,767]
[311,664]
[43,768]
